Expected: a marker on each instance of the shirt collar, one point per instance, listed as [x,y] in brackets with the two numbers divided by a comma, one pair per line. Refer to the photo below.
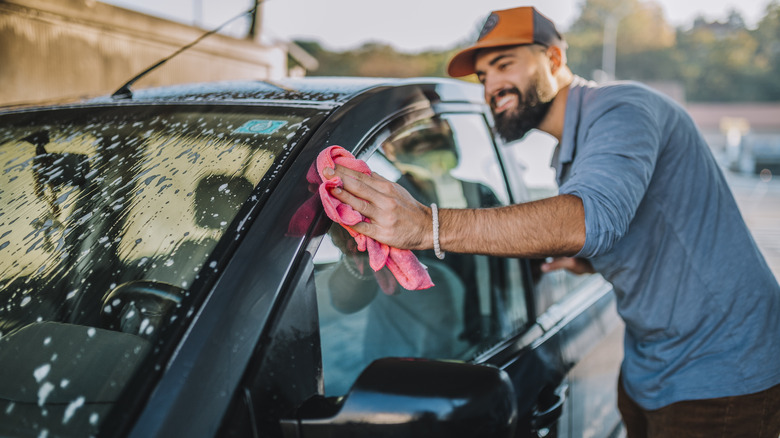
[564,152]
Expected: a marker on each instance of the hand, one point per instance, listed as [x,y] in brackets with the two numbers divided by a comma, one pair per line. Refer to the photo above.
[396,218]
[574,265]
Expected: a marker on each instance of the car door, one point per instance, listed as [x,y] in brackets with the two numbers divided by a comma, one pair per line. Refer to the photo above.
[557,335]
[480,309]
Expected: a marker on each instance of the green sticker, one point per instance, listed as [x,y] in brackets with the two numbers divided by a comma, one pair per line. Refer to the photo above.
[265,127]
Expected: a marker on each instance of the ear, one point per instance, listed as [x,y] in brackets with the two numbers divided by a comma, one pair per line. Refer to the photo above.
[556,57]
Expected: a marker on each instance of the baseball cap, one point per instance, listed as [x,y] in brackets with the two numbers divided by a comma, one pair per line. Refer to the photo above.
[508,27]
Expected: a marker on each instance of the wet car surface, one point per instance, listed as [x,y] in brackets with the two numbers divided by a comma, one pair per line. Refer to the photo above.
[166,269]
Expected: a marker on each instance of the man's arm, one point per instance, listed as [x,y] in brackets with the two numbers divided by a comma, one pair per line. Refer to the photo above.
[548,227]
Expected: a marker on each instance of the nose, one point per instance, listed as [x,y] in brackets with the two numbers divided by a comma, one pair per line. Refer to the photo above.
[492,86]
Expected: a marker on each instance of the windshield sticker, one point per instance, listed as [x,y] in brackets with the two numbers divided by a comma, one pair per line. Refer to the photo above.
[265,127]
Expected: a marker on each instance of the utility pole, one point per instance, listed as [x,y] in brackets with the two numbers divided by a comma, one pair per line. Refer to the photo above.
[197,13]
[609,51]
[609,54]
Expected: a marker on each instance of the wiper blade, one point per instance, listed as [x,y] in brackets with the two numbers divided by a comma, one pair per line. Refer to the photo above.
[125,92]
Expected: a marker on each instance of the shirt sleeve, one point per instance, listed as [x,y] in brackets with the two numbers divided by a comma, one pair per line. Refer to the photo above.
[611,171]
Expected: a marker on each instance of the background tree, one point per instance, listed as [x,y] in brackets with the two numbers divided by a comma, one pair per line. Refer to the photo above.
[643,38]
[715,61]
[767,59]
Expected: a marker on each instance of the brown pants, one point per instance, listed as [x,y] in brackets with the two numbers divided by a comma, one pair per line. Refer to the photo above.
[749,416]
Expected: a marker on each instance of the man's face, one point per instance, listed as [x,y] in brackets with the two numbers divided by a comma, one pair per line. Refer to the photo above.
[518,88]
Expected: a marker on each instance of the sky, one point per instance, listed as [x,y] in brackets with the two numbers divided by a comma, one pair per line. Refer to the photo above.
[407,25]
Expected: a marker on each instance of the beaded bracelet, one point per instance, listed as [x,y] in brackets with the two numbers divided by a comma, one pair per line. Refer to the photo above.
[436,247]
[353,271]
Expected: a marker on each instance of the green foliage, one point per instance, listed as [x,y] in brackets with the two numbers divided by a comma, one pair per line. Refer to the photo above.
[377,60]
[714,61]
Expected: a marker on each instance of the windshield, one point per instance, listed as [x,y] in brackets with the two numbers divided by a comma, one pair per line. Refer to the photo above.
[109,220]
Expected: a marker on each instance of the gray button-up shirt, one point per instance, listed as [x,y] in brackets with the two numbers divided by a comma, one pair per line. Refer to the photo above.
[702,308]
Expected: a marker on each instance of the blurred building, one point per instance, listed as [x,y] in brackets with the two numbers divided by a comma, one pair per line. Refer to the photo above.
[745,136]
[62,50]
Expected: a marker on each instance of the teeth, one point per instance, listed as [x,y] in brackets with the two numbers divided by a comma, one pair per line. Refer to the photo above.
[502,101]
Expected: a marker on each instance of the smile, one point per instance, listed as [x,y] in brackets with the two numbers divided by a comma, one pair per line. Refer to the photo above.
[504,102]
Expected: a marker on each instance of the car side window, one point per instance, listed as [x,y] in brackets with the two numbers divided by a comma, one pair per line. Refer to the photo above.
[476,302]
[532,178]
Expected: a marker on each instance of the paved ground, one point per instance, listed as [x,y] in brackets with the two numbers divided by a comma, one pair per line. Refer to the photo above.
[758,197]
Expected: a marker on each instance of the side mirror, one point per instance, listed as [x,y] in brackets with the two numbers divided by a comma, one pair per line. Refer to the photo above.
[396,397]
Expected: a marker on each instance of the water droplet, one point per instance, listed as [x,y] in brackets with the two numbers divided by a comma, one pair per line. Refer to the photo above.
[143,326]
[41,372]
[71,409]
[44,392]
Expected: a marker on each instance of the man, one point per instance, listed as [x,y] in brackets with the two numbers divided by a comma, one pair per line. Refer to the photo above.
[643,202]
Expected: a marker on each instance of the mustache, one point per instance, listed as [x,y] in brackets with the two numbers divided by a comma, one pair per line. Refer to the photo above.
[504,92]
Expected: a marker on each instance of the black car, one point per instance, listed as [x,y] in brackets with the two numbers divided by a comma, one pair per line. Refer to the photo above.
[167,270]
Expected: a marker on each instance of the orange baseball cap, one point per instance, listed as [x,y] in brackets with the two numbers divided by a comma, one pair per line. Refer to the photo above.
[508,27]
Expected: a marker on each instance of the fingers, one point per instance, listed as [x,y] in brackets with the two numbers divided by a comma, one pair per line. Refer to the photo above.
[572,264]
[361,192]
[359,204]
[556,264]
[342,172]
[394,216]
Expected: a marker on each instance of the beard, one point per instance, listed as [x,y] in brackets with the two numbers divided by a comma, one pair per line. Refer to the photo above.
[514,123]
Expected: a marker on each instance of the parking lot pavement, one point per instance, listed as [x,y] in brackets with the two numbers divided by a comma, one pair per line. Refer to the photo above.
[758,197]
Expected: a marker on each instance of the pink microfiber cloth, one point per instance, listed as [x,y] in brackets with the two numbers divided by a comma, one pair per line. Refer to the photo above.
[410,273]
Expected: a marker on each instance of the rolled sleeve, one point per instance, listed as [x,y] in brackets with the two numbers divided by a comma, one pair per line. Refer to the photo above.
[614,165]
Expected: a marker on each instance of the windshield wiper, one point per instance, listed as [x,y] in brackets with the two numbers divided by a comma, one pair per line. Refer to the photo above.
[124,92]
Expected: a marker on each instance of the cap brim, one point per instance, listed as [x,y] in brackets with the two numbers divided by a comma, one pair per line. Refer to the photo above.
[462,64]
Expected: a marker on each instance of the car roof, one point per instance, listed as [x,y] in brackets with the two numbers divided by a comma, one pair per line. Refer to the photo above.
[309,89]
[321,92]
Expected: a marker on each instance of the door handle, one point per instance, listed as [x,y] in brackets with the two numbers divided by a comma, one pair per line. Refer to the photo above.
[552,403]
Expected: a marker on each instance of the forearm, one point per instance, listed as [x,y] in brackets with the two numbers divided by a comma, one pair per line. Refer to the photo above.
[548,227]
